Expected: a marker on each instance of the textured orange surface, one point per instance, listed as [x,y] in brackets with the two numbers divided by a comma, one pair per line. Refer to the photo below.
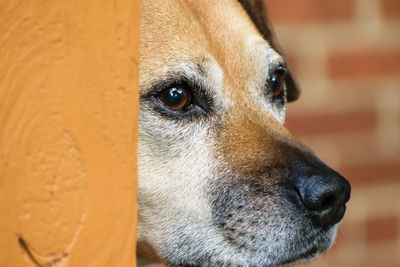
[68,130]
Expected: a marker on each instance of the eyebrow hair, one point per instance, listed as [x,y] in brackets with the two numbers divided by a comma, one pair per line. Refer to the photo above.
[185,72]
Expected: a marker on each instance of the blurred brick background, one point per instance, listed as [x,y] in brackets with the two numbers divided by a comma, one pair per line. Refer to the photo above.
[346,55]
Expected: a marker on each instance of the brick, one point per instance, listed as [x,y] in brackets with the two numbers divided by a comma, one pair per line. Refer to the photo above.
[372,173]
[306,11]
[349,233]
[292,61]
[391,8]
[319,123]
[348,148]
[382,229]
[363,64]
[382,254]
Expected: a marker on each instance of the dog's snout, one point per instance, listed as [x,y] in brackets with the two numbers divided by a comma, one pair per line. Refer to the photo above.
[325,196]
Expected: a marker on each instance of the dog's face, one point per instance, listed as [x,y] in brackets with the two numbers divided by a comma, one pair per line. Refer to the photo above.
[221,181]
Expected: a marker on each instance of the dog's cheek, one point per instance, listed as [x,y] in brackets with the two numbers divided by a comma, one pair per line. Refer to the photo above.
[174,161]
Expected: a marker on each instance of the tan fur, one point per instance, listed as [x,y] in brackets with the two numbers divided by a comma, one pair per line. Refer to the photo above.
[193,173]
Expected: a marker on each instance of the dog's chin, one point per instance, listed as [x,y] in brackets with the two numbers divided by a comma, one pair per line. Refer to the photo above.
[319,244]
[306,256]
[300,251]
[283,253]
[301,258]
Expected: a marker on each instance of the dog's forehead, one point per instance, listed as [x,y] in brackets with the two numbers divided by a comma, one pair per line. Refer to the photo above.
[194,31]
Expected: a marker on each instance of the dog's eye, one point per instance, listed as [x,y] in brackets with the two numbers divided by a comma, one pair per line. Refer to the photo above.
[277,83]
[175,97]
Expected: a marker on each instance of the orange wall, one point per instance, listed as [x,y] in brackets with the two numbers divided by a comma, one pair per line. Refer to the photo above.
[68,130]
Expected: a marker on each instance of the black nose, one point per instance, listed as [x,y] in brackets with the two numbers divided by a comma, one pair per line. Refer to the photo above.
[325,195]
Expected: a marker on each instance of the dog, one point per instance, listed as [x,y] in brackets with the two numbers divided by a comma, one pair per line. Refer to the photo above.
[221,180]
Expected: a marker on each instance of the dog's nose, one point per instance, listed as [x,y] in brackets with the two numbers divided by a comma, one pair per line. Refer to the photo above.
[325,195]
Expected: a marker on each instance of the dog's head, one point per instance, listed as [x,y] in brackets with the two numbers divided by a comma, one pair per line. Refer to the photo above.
[221,181]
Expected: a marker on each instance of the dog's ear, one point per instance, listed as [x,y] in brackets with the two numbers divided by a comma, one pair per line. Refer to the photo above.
[258,13]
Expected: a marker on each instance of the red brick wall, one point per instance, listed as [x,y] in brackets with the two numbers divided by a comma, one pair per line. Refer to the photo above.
[346,54]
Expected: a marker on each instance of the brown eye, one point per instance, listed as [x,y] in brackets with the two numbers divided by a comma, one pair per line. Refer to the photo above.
[277,83]
[175,98]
